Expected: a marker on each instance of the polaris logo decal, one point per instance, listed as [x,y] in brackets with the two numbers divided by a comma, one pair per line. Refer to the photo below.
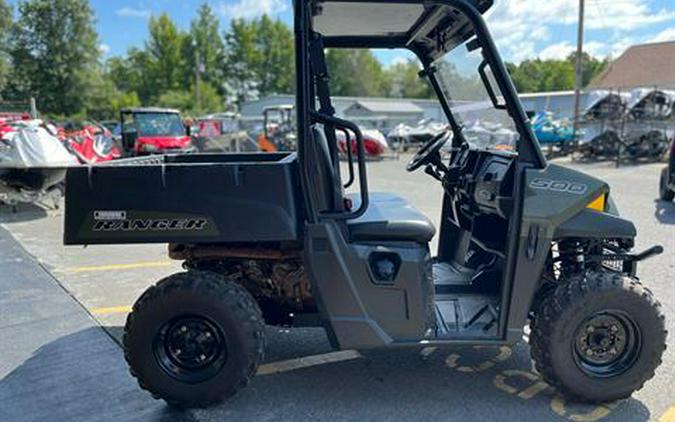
[559,186]
[161,224]
[110,215]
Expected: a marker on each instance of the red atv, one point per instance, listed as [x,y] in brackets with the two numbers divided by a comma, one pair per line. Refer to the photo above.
[154,131]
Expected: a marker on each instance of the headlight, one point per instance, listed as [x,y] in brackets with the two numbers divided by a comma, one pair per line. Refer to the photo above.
[599,203]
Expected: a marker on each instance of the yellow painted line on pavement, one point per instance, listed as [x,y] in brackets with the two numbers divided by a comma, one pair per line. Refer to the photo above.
[113,267]
[669,416]
[111,310]
[307,361]
[594,414]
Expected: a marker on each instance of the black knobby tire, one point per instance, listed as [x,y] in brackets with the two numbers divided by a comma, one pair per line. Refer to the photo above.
[557,321]
[664,192]
[228,309]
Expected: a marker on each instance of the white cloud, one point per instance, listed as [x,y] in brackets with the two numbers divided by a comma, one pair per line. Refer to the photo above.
[667,34]
[622,15]
[557,51]
[522,51]
[253,8]
[518,24]
[130,12]
[596,48]
[104,49]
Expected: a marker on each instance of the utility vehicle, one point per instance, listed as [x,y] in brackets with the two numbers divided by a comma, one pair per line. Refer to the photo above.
[278,131]
[273,238]
[153,130]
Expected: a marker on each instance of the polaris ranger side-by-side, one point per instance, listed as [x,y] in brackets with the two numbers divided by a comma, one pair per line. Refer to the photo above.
[274,238]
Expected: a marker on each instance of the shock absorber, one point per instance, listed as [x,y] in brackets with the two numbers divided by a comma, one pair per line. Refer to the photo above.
[571,255]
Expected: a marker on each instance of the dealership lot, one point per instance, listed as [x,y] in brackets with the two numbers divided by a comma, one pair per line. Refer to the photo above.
[302,376]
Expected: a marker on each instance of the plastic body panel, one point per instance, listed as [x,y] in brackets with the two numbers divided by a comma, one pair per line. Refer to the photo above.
[359,312]
[192,198]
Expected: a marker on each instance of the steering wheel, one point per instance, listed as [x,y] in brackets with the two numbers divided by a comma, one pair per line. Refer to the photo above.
[429,152]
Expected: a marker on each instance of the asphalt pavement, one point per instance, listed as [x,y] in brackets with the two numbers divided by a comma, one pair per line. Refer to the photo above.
[62,309]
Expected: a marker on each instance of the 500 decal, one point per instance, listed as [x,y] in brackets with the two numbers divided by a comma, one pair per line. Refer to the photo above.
[559,186]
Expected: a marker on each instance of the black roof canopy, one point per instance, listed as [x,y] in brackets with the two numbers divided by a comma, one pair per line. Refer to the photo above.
[428,28]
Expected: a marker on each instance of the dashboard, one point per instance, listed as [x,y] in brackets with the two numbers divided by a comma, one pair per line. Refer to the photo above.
[486,182]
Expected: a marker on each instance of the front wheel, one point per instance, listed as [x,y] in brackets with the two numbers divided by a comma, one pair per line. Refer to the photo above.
[194,339]
[598,337]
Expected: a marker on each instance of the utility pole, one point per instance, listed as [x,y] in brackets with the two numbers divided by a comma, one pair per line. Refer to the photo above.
[579,68]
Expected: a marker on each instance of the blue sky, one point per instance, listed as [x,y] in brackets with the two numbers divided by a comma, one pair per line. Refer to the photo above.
[523,28]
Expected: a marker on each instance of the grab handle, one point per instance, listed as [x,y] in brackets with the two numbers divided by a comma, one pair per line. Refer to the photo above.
[361,164]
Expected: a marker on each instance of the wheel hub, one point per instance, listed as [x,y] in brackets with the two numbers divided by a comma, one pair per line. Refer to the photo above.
[606,344]
[191,348]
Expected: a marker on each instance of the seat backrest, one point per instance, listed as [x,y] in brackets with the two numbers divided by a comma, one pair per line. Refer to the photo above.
[324,177]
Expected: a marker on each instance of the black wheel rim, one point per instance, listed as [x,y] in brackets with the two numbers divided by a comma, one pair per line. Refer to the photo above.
[607,344]
[190,348]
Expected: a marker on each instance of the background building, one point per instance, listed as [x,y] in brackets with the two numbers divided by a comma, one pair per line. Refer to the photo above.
[641,66]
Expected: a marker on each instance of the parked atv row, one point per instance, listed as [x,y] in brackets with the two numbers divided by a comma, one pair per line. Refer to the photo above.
[634,125]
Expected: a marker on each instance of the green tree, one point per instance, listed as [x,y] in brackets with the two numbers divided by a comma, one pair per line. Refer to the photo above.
[355,73]
[132,74]
[259,58]
[186,100]
[205,50]
[123,99]
[55,54]
[275,68]
[241,56]
[403,81]
[554,75]
[5,28]
[542,75]
[165,47]
[592,66]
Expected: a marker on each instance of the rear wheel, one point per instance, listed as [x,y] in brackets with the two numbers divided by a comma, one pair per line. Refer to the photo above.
[664,192]
[194,339]
[598,337]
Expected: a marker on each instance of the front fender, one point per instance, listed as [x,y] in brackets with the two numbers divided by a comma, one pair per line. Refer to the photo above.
[597,225]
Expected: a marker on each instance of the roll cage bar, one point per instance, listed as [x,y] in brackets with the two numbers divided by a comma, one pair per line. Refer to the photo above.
[442,26]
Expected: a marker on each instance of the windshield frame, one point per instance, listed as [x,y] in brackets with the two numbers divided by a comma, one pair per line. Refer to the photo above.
[491,102]
[527,147]
[441,20]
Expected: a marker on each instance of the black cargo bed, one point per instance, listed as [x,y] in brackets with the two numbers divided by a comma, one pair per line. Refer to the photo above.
[191,198]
